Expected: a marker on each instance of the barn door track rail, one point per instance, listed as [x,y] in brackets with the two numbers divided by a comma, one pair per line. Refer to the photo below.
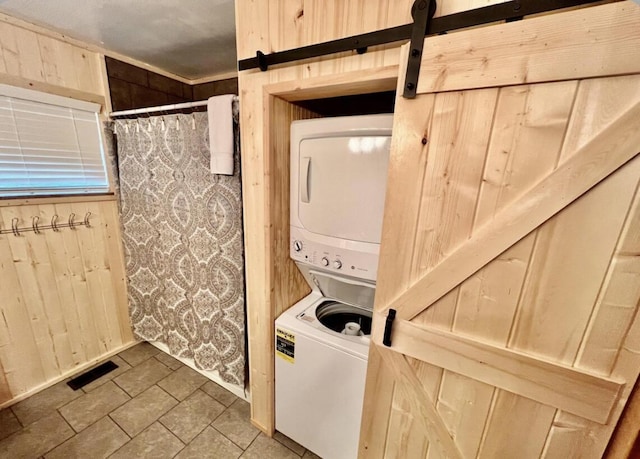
[424,24]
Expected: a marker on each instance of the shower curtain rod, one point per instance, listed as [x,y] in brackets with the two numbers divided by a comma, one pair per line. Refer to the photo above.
[162,108]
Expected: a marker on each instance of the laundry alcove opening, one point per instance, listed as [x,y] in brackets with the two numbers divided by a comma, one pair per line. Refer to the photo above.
[286,106]
[358,104]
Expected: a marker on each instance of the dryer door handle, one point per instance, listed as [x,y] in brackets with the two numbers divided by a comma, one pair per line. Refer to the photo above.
[304,180]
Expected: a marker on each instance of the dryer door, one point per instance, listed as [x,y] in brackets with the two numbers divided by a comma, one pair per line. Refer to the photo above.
[342,184]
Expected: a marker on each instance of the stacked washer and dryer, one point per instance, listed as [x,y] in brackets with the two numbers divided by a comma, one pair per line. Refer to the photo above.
[338,182]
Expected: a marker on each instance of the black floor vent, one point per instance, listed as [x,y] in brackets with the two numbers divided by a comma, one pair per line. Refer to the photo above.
[91,375]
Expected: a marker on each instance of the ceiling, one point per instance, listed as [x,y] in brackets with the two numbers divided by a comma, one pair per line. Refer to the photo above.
[189,38]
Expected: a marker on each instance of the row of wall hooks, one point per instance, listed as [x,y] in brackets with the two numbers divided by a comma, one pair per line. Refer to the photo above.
[54,225]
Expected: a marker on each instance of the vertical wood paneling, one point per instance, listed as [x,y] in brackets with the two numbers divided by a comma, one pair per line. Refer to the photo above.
[39,58]
[60,310]
[18,350]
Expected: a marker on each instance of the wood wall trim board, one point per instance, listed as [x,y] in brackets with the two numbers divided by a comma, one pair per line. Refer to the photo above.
[427,414]
[571,389]
[341,84]
[12,202]
[533,48]
[279,268]
[51,89]
[215,77]
[116,258]
[589,165]
[68,374]
[259,309]
[107,107]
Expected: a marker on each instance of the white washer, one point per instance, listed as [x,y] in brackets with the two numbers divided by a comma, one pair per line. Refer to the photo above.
[338,181]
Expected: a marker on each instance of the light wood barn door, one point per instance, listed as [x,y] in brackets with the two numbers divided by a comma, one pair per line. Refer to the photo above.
[511,244]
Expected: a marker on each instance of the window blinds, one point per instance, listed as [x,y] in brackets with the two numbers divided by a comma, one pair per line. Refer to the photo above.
[49,145]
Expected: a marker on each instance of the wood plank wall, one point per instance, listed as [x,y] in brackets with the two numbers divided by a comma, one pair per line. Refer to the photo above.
[276,25]
[63,303]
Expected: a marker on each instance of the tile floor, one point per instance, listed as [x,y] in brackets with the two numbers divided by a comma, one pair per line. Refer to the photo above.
[151,406]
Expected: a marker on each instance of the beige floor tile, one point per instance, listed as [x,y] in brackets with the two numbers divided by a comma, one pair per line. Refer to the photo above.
[8,423]
[139,353]
[210,444]
[169,361]
[264,447]
[44,402]
[289,443]
[219,393]
[87,409]
[96,441]
[191,416]
[142,411]
[156,442]
[182,382]
[234,423]
[140,378]
[122,367]
[37,438]
[309,455]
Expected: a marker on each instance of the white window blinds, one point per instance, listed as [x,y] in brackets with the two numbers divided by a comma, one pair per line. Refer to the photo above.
[49,145]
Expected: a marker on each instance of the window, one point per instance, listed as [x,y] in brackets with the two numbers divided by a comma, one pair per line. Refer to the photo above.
[49,145]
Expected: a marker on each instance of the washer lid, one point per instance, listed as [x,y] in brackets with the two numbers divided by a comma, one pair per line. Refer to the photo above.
[345,289]
[344,318]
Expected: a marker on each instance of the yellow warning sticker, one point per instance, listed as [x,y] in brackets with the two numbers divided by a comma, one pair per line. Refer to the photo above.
[285,345]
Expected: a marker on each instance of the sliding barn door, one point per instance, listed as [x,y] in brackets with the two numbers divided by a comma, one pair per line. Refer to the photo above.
[511,244]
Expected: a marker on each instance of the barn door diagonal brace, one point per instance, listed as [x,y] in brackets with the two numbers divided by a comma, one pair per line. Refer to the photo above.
[422,12]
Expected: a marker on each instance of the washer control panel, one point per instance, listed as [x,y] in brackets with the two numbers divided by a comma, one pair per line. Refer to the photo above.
[350,262]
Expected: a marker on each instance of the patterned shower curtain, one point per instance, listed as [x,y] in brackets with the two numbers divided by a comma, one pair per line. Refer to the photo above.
[183,241]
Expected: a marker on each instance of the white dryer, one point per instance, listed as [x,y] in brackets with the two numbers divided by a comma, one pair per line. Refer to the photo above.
[338,181]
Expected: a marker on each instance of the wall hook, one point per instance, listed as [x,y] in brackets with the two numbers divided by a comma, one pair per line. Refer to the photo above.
[72,217]
[86,219]
[14,226]
[34,224]
[54,222]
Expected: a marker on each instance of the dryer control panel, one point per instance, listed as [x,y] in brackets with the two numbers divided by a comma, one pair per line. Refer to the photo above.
[339,260]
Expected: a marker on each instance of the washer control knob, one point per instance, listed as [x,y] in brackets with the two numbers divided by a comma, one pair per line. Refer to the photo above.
[324,261]
[337,264]
[297,246]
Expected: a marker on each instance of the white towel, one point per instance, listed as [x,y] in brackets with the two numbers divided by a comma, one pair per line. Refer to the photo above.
[220,114]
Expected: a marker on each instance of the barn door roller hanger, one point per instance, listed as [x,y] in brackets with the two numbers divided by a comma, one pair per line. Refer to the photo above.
[424,24]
